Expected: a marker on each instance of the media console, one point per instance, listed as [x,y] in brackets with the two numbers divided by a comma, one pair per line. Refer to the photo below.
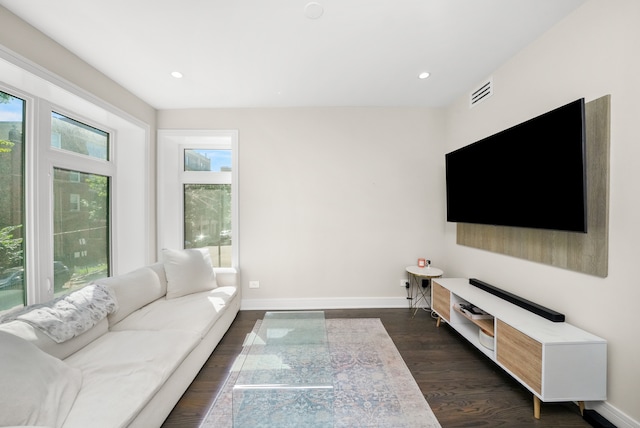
[554,360]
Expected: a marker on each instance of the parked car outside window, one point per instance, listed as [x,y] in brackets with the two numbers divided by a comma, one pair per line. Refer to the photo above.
[12,278]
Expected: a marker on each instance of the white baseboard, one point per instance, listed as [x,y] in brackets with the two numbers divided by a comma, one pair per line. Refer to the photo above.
[328,303]
[613,414]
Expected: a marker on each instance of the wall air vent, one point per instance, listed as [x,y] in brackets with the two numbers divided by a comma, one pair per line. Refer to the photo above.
[481,93]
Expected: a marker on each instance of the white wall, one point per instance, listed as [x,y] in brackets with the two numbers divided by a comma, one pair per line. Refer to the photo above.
[591,53]
[334,202]
[30,43]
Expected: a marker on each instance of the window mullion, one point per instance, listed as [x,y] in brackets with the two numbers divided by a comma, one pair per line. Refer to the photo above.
[205,177]
[40,243]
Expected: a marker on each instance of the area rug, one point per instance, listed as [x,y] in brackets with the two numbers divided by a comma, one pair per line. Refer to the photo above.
[372,385]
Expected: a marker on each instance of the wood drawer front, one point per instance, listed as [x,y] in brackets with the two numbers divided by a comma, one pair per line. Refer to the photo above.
[441,300]
[520,354]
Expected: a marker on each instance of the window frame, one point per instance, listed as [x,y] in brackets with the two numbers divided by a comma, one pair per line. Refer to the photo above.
[29,228]
[49,158]
[172,177]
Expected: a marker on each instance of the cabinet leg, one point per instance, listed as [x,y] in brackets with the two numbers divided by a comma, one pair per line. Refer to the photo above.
[581,405]
[438,322]
[536,407]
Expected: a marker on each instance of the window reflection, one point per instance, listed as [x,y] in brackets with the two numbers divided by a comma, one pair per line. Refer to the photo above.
[81,229]
[77,137]
[212,160]
[207,215]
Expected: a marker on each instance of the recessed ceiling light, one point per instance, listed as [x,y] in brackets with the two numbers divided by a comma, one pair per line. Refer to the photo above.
[176,74]
[313,10]
[423,75]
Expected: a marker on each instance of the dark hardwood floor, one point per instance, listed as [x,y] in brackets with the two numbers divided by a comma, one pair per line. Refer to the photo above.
[462,386]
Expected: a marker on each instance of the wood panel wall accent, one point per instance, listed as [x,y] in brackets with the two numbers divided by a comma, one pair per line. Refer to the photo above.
[583,252]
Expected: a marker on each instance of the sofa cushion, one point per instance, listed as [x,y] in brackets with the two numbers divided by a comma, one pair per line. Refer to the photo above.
[196,312]
[122,371]
[37,389]
[48,345]
[188,271]
[132,290]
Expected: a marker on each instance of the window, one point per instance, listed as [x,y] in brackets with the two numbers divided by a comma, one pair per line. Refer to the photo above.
[76,137]
[72,215]
[81,210]
[207,160]
[81,244]
[74,202]
[207,210]
[12,154]
[66,217]
[207,220]
[205,165]
[207,207]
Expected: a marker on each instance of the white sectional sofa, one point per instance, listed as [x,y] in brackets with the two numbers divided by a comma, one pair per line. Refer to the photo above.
[134,364]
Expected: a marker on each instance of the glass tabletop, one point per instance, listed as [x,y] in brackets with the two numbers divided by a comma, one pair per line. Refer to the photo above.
[286,379]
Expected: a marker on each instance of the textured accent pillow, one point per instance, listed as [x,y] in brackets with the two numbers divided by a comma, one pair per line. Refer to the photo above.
[188,271]
[37,389]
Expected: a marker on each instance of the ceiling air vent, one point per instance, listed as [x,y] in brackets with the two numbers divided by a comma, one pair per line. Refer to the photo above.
[482,93]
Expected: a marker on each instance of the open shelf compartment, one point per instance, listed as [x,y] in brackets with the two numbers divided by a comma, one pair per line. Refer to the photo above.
[485,321]
[479,329]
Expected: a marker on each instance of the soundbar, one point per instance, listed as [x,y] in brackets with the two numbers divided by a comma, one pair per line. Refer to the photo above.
[537,309]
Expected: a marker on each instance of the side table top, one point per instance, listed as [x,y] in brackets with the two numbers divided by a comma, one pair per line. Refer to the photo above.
[426,272]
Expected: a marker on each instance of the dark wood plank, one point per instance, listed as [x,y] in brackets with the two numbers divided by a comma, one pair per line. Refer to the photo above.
[463,387]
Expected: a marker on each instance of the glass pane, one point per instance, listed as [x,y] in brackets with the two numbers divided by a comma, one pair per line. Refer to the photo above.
[207,220]
[71,135]
[81,229]
[207,160]
[12,280]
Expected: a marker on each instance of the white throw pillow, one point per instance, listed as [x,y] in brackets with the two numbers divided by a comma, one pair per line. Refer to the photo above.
[188,271]
[37,389]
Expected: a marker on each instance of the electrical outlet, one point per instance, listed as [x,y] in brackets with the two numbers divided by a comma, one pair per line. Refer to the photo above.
[403,282]
[254,284]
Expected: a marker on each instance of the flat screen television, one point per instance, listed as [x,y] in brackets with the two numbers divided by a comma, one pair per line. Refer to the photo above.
[531,175]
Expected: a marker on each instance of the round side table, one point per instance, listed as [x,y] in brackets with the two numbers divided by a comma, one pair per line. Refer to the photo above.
[420,285]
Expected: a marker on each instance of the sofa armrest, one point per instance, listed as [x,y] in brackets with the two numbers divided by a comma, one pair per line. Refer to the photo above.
[227,276]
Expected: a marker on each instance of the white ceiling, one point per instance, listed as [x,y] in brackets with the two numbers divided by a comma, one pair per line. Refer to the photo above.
[268,53]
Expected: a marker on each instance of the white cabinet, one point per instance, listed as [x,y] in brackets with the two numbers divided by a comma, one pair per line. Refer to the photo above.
[555,361]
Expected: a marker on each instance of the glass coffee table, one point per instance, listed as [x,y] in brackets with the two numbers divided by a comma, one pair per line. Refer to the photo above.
[286,379]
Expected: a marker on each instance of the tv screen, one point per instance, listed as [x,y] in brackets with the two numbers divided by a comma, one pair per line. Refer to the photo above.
[531,175]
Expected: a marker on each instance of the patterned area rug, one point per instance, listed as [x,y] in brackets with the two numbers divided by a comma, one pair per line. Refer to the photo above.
[372,384]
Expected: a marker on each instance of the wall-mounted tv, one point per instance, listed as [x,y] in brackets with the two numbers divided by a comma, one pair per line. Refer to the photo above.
[531,175]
